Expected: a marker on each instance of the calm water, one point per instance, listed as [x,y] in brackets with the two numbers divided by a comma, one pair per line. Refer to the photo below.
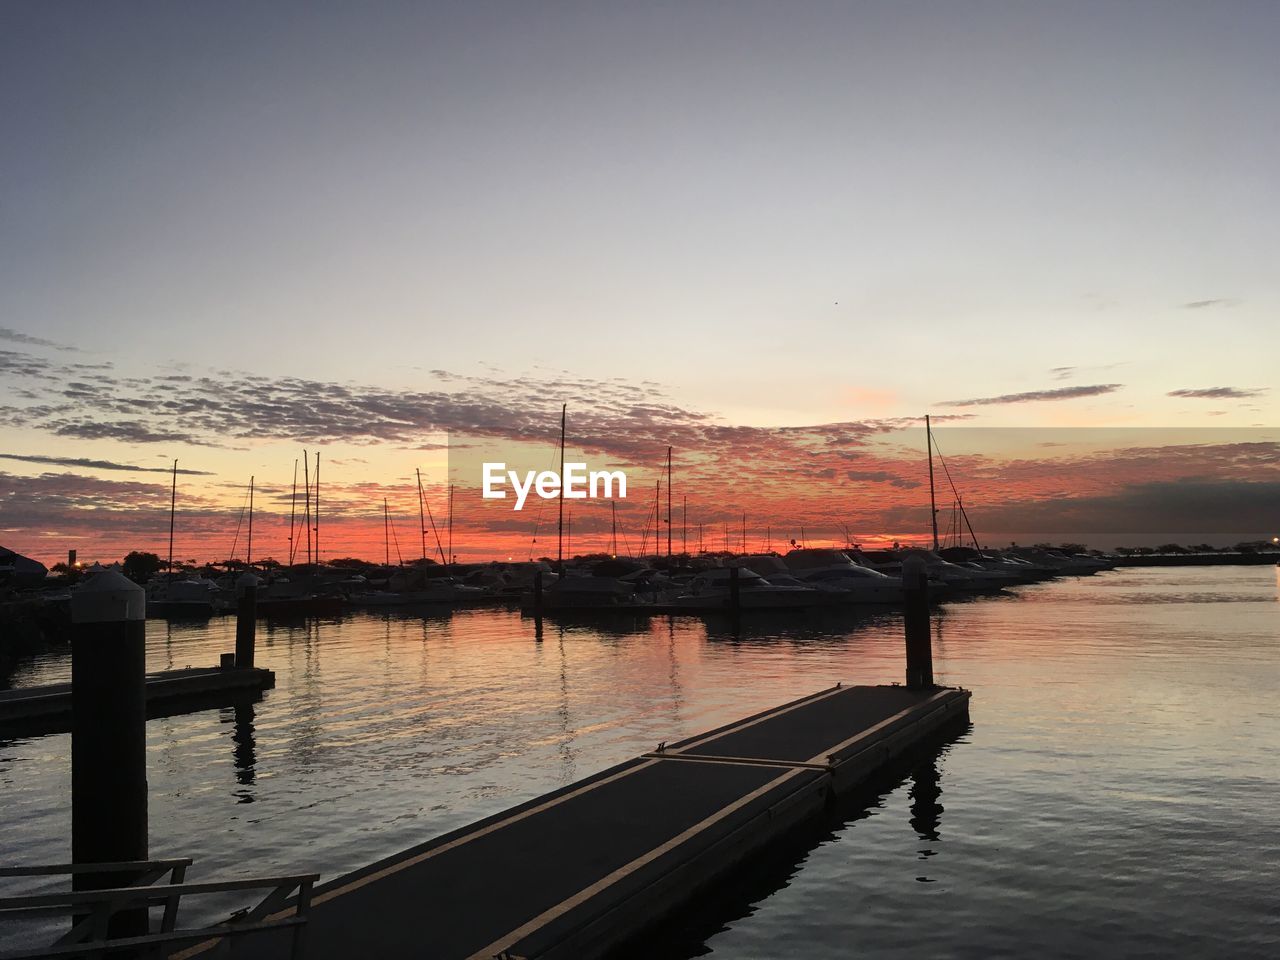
[1117,793]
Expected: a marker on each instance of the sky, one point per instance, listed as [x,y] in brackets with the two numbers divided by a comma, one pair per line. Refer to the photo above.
[763,233]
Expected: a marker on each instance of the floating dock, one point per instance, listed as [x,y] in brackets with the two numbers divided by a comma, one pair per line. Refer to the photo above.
[47,709]
[578,872]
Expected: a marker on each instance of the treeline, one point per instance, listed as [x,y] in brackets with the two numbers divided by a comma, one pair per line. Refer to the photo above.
[1164,549]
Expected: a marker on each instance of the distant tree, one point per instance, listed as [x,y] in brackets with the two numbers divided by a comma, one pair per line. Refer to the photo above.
[1145,551]
[66,570]
[1171,548]
[1125,551]
[1070,548]
[1246,547]
[140,567]
[353,563]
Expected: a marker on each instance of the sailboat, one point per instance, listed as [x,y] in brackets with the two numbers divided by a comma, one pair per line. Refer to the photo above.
[172,597]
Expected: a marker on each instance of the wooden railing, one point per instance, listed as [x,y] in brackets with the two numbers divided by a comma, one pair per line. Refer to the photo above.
[91,910]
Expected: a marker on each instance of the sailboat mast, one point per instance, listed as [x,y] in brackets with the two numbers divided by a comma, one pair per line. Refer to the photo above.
[744,531]
[306,479]
[422,521]
[933,503]
[560,527]
[173,503]
[431,517]
[964,514]
[668,501]
[657,518]
[293,508]
[317,507]
[386,531]
[613,504]
[684,527]
[450,560]
[248,551]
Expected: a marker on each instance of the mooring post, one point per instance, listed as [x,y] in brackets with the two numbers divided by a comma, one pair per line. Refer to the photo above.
[246,619]
[537,604]
[915,589]
[735,597]
[109,735]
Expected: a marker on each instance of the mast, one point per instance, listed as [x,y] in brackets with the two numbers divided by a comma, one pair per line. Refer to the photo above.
[306,479]
[293,508]
[668,501]
[657,518]
[933,504]
[173,503]
[317,507]
[431,517]
[684,527]
[450,523]
[386,530]
[744,531]
[422,522]
[613,504]
[248,551]
[560,527]
[964,514]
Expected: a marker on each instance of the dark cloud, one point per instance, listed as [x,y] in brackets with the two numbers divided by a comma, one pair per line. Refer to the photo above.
[98,464]
[882,476]
[1202,304]
[128,431]
[14,336]
[1059,393]
[1218,393]
[631,423]
[1200,506]
[24,365]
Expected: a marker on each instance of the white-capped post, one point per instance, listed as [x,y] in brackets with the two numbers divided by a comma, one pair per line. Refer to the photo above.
[109,734]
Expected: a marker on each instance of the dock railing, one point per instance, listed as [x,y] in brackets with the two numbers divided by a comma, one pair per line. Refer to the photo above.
[92,910]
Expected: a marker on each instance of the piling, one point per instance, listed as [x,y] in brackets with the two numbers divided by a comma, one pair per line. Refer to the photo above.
[108,735]
[246,619]
[915,587]
[735,597]
[537,603]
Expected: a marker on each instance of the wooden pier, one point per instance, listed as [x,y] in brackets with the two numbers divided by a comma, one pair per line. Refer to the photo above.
[575,873]
[28,711]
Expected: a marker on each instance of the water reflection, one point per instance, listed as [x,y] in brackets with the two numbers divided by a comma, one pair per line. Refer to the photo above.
[926,811]
[686,934]
[245,750]
[1095,691]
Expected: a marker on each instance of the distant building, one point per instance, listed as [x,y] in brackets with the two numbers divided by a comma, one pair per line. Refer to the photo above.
[19,571]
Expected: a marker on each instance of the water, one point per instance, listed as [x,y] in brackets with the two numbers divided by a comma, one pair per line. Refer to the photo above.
[1116,793]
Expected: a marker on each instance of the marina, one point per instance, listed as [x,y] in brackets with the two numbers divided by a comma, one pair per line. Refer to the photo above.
[460,717]
[643,481]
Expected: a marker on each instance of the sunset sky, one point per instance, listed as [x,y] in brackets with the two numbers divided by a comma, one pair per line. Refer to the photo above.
[771,235]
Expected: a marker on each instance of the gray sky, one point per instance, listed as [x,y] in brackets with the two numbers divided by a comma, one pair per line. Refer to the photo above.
[780,213]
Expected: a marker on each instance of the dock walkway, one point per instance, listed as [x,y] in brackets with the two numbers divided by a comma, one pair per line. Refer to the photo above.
[573,874]
[47,709]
